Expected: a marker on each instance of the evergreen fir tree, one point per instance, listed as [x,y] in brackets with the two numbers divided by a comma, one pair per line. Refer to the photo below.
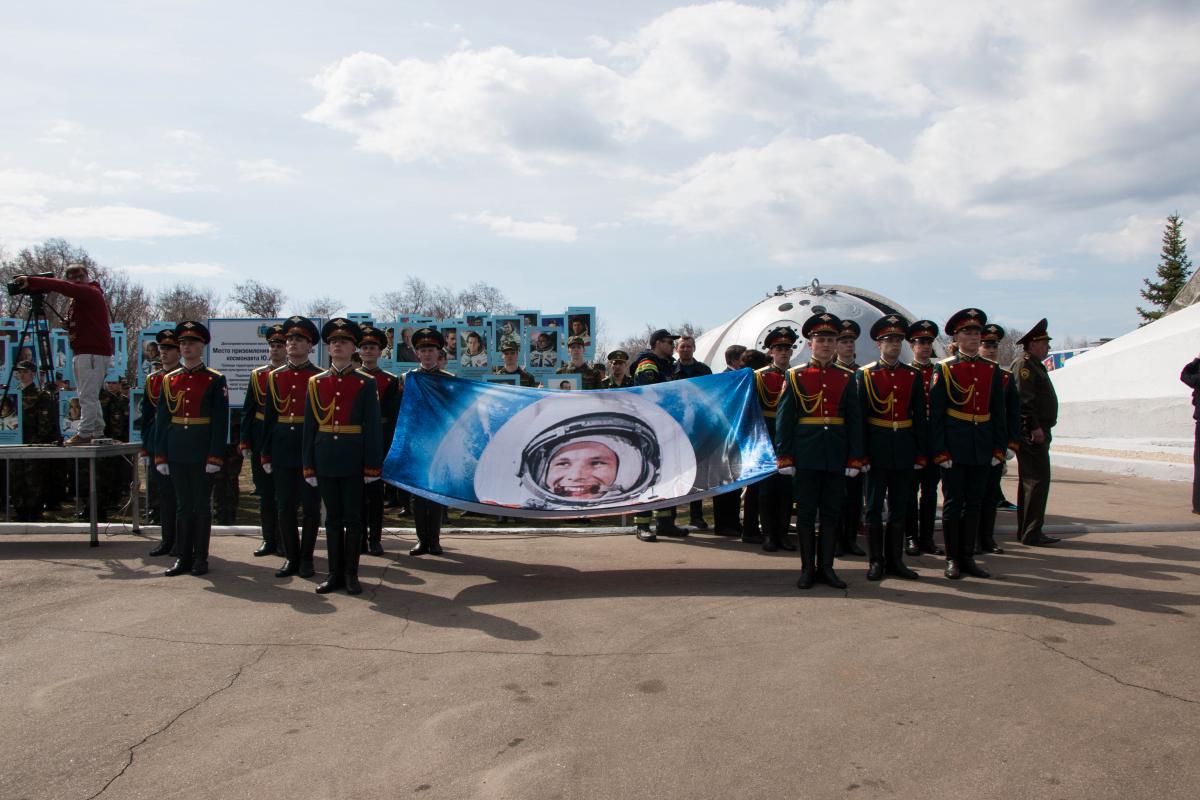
[1174,269]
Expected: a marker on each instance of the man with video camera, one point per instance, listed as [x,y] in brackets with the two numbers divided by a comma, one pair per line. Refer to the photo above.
[89,333]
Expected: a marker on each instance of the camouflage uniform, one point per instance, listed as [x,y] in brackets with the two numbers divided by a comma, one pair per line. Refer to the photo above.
[29,478]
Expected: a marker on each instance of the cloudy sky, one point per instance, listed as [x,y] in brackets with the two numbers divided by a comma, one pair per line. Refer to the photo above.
[660,161]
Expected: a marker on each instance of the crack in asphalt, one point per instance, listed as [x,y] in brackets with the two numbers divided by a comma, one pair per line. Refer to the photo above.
[163,728]
[1047,646]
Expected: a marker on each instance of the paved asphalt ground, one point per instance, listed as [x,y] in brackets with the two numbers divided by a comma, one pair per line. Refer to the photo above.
[595,666]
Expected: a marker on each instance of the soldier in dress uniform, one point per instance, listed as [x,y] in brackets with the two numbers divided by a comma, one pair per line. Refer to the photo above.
[27,484]
[343,449]
[686,366]
[655,365]
[775,493]
[852,506]
[371,342]
[751,531]
[989,348]
[190,431]
[427,514]
[509,351]
[1039,413]
[818,441]
[969,434]
[896,441]
[282,451]
[590,376]
[618,371]
[164,489]
[252,436]
[922,500]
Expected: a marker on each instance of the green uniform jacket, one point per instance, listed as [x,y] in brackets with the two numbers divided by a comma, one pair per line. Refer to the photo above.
[192,418]
[37,410]
[895,427]
[343,436]
[524,378]
[1039,402]
[149,409]
[608,383]
[591,376]
[818,423]
[252,431]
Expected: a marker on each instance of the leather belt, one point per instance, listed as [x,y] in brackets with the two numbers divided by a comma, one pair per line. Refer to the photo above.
[340,428]
[291,420]
[821,421]
[192,420]
[976,418]
[259,415]
[894,424]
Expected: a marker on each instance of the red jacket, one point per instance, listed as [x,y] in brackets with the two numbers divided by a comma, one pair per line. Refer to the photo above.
[87,321]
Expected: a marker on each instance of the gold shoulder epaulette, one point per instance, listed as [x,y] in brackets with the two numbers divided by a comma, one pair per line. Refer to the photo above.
[214,372]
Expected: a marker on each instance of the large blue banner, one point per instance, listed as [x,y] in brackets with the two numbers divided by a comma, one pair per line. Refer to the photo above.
[545,454]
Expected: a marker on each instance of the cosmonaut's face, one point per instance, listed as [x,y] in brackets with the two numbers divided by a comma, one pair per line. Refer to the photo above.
[582,470]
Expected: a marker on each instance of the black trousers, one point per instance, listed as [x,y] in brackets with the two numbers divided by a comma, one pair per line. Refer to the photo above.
[1033,464]
[193,510]
[987,513]
[750,509]
[963,488]
[427,519]
[343,498]
[264,487]
[775,505]
[921,512]
[164,490]
[819,496]
[893,486]
[1196,470]
[852,508]
[372,511]
[293,494]
[726,509]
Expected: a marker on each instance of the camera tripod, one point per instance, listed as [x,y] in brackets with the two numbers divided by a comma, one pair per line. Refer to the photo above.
[37,322]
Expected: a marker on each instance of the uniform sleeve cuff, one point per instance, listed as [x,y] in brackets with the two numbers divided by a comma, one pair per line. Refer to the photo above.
[142,454]
[998,454]
[372,472]
[1014,446]
[784,461]
[941,457]
[922,461]
[160,459]
[310,473]
[217,460]
[855,463]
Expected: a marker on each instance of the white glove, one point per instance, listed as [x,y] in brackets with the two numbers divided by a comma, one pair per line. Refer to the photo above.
[370,478]
[311,482]
[787,470]
[212,469]
[267,468]
[163,469]
[996,462]
[866,468]
[1009,455]
[851,472]
[918,466]
[947,464]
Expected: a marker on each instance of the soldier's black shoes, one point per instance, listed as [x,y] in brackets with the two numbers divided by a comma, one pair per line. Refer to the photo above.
[352,585]
[875,571]
[1043,541]
[331,584]
[644,534]
[853,549]
[307,570]
[785,543]
[698,524]
[264,549]
[993,548]
[751,536]
[967,566]
[435,549]
[420,550]
[288,569]
[726,532]
[375,548]
[952,570]
[666,527]
[1005,505]
[911,548]
[897,569]
[827,576]
[770,544]
[180,567]
[161,550]
[200,567]
[928,547]
[806,579]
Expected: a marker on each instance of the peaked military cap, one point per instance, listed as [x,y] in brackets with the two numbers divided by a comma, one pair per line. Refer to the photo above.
[849,329]
[780,336]
[509,345]
[190,329]
[275,333]
[341,328]
[818,324]
[27,364]
[575,340]
[369,334]
[618,355]
[167,337]
[992,332]
[75,267]
[428,337]
[891,325]
[923,329]
[1036,332]
[301,326]
[967,318]
[660,334]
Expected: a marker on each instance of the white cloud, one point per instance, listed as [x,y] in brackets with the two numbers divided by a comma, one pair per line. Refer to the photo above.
[547,230]
[184,269]
[1136,239]
[185,137]
[266,170]
[21,226]
[62,132]
[1014,270]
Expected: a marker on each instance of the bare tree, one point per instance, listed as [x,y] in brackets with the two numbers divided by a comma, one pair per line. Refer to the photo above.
[256,299]
[637,342]
[323,307]
[441,302]
[185,302]
[484,297]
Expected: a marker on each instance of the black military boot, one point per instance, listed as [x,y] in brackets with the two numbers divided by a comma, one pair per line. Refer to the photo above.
[291,556]
[203,535]
[893,548]
[950,533]
[352,584]
[308,545]
[966,547]
[164,546]
[875,549]
[770,539]
[911,547]
[849,543]
[665,526]
[184,543]
[825,573]
[181,566]
[930,547]
[375,543]
[435,545]
[334,547]
[808,559]
[420,548]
